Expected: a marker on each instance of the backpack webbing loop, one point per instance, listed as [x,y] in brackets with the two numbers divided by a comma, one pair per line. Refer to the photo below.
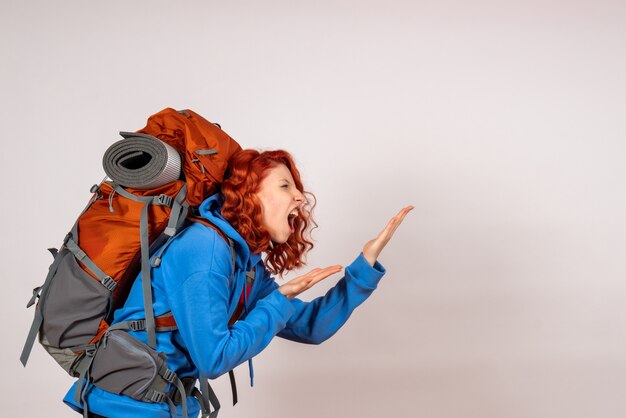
[209,395]
[204,404]
[83,368]
[36,292]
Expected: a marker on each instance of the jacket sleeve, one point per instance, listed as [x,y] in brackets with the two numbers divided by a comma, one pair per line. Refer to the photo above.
[315,321]
[199,298]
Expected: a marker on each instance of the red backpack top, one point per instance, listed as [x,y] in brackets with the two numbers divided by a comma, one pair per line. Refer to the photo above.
[204,146]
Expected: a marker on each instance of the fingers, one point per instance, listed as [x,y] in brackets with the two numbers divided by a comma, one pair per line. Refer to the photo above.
[400,217]
[321,274]
[300,284]
[394,223]
[397,220]
[373,248]
[317,275]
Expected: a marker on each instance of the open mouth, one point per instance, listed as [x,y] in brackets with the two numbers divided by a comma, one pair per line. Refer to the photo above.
[291,219]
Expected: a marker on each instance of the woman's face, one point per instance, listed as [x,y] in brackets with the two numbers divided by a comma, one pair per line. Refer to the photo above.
[280,199]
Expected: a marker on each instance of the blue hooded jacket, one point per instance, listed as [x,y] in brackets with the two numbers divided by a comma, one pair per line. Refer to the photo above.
[193,282]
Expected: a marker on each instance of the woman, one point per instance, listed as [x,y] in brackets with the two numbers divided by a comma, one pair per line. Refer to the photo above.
[263,209]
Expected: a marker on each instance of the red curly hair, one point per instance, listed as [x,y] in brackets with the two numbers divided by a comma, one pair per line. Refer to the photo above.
[242,209]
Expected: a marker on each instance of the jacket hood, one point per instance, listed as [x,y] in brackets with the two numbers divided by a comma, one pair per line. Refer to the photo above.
[211,210]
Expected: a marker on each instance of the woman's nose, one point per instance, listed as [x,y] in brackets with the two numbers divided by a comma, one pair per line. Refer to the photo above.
[299,197]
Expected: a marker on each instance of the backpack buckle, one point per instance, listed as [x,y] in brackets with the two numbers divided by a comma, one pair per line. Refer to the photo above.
[154,396]
[169,376]
[162,199]
[90,350]
[109,283]
[137,325]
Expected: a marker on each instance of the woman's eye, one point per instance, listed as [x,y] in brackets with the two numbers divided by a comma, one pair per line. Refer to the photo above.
[285,186]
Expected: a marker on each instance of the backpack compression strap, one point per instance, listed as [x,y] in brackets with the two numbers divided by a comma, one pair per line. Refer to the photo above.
[163,323]
[146,272]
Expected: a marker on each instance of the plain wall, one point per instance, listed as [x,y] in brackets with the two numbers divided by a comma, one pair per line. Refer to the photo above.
[502,122]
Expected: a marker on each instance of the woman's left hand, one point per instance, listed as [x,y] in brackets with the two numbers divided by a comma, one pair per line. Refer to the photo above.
[294,287]
[373,248]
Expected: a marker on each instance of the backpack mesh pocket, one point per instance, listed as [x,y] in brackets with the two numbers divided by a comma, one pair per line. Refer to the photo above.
[74,305]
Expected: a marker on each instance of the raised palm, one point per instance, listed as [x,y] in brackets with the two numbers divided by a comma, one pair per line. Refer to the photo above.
[373,248]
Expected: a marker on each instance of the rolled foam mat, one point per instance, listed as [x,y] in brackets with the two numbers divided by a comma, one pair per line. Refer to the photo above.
[141,162]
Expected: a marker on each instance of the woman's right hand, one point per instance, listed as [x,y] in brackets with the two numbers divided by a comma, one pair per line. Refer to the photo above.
[294,287]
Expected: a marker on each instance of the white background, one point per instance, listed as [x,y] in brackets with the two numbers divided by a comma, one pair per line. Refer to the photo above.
[502,122]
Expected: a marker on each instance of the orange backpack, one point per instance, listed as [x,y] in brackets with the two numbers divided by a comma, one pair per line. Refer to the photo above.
[111,242]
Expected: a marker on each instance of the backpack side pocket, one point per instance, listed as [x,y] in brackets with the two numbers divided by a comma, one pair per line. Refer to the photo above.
[74,305]
[126,366]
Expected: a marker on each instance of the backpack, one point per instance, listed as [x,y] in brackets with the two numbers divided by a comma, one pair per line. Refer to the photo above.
[158,175]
